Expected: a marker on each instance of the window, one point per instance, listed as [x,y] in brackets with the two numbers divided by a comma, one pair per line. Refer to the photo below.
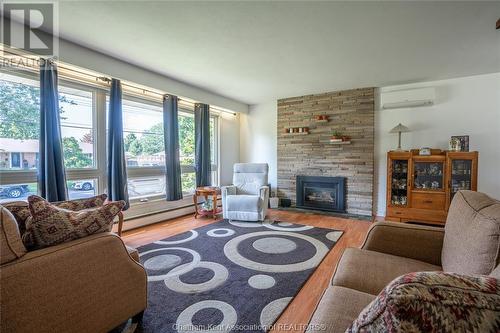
[83,188]
[19,122]
[143,187]
[19,135]
[145,152]
[83,127]
[13,192]
[186,151]
[143,134]
[76,112]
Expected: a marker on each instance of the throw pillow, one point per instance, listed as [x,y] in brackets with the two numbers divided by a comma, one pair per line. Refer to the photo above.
[85,203]
[471,243]
[21,210]
[50,224]
[11,246]
[434,302]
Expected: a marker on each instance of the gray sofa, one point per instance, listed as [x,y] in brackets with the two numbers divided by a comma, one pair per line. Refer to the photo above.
[247,199]
[469,244]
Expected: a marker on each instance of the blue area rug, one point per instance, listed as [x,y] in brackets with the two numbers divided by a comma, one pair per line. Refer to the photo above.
[229,276]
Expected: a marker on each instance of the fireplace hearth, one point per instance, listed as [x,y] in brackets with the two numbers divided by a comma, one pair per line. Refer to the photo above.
[322,193]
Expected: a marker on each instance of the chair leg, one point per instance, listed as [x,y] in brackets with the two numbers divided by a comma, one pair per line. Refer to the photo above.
[138,317]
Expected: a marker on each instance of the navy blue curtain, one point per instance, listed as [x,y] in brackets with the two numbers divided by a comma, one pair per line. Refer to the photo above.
[117,168]
[171,137]
[51,174]
[202,144]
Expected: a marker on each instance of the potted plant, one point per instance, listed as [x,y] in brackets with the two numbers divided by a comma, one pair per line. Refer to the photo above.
[345,138]
[336,136]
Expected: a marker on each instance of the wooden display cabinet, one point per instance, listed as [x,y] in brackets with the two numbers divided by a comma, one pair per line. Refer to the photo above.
[420,188]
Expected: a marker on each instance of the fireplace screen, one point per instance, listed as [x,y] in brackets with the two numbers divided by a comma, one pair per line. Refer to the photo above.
[324,193]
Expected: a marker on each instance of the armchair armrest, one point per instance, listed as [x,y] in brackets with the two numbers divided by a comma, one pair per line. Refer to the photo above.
[80,278]
[228,190]
[417,242]
[264,192]
[225,191]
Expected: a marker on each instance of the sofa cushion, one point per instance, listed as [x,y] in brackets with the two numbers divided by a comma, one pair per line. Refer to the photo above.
[434,302]
[472,234]
[50,225]
[338,308]
[11,245]
[243,203]
[370,271]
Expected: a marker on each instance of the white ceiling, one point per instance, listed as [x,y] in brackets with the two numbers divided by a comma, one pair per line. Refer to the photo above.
[258,51]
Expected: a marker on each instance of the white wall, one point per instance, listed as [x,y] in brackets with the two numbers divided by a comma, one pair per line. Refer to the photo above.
[259,137]
[229,146]
[463,106]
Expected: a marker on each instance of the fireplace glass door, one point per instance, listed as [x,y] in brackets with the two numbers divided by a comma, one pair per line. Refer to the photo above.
[322,197]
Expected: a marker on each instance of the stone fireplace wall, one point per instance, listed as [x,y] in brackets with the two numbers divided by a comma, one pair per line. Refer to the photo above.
[350,112]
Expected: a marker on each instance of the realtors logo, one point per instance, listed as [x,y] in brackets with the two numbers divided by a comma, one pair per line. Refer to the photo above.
[31,27]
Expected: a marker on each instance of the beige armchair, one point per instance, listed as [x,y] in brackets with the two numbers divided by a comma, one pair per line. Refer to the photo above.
[92,284]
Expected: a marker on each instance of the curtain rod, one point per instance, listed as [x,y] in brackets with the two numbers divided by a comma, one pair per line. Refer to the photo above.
[105,79]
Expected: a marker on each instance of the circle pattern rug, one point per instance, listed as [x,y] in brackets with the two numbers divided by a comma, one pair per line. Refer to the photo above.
[229,276]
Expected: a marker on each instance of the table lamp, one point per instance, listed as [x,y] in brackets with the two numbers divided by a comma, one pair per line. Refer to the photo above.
[399,129]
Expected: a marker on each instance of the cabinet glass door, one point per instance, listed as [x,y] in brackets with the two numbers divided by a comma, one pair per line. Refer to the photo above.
[428,176]
[399,183]
[461,175]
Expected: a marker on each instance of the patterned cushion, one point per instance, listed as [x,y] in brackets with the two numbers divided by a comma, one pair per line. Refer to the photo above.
[11,246]
[434,302]
[21,210]
[50,224]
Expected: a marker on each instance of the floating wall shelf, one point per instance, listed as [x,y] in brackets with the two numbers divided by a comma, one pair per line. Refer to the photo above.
[323,118]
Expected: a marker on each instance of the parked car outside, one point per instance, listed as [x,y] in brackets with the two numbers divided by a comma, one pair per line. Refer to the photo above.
[13,191]
[84,185]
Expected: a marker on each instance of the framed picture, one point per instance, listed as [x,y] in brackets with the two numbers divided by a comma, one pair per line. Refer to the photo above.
[461,142]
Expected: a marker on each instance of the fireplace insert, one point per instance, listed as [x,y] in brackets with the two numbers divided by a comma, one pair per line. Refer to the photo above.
[323,193]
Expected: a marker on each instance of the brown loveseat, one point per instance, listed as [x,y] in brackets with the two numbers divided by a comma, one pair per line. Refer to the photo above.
[92,284]
[469,244]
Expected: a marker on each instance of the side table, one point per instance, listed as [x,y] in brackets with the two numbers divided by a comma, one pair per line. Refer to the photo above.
[206,191]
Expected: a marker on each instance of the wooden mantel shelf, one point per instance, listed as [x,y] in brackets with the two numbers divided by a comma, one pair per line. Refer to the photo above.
[339,142]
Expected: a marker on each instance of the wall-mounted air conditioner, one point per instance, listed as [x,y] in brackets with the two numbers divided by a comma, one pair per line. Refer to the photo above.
[410,98]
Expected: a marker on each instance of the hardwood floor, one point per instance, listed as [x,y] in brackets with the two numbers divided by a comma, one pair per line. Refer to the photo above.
[297,314]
